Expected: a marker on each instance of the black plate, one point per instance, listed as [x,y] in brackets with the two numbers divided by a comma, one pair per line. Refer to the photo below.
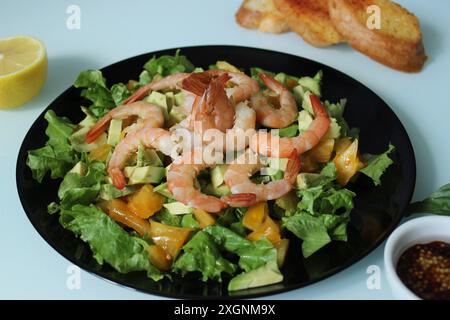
[377,211]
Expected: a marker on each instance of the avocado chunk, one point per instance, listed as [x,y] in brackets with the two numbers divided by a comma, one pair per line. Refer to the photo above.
[148,157]
[170,99]
[79,168]
[147,174]
[306,104]
[299,93]
[109,192]
[310,84]
[219,191]
[179,98]
[217,174]
[78,140]
[304,120]
[334,131]
[114,132]
[288,202]
[164,191]
[159,99]
[262,276]
[176,116]
[278,163]
[177,208]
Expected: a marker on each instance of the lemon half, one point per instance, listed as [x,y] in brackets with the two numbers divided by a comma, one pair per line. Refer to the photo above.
[23,70]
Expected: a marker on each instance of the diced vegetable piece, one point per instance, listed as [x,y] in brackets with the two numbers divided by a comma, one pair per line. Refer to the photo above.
[254,217]
[120,212]
[288,201]
[147,174]
[163,190]
[109,192]
[269,229]
[145,202]
[159,99]
[179,98]
[334,131]
[347,163]
[204,218]
[217,174]
[220,191]
[322,152]
[262,276]
[278,163]
[80,168]
[159,258]
[282,248]
[342,144]
[177,208]
[170,239]
[101,153]
[114,132]
[223,65]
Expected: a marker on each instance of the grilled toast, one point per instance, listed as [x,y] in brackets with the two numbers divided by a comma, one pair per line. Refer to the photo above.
[261,15]
[397,43]
[310,19]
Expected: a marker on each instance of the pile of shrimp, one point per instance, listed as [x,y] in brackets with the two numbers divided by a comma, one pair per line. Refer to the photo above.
[230,105]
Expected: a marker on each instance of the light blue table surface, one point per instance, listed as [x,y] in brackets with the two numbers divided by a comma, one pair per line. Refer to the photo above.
[112,31]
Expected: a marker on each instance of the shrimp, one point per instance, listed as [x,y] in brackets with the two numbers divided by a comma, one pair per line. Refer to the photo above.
[269,116]
[180,181]
[237,178]
[155,138]
[150,115]
[171,82]
[235,139]
[261,142]
[213,110]
[244,87]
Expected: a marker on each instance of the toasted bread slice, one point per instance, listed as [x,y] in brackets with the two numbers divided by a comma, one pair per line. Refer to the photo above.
[261,15]
[398,42]
[310,19]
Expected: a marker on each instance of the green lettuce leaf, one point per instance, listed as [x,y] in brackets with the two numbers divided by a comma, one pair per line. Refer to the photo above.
[310,229]
[166,65]
[82,189]
[336,111]
[57,156]
[322,213]
[252,254]
[108,241]
[202,254]
[437,203]
[377,165]
[119,92]
[96,91]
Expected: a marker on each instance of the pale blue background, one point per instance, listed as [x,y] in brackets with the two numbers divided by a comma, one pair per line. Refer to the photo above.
[111,31]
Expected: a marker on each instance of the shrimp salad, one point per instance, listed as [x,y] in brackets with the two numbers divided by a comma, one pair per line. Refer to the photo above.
[205,171]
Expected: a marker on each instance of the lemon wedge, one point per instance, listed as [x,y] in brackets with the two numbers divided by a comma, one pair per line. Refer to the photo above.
[23,70]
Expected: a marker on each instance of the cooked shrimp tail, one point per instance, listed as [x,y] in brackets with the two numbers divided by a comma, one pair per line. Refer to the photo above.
[271,83]
[293,167]
[118,178]
[240,200]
